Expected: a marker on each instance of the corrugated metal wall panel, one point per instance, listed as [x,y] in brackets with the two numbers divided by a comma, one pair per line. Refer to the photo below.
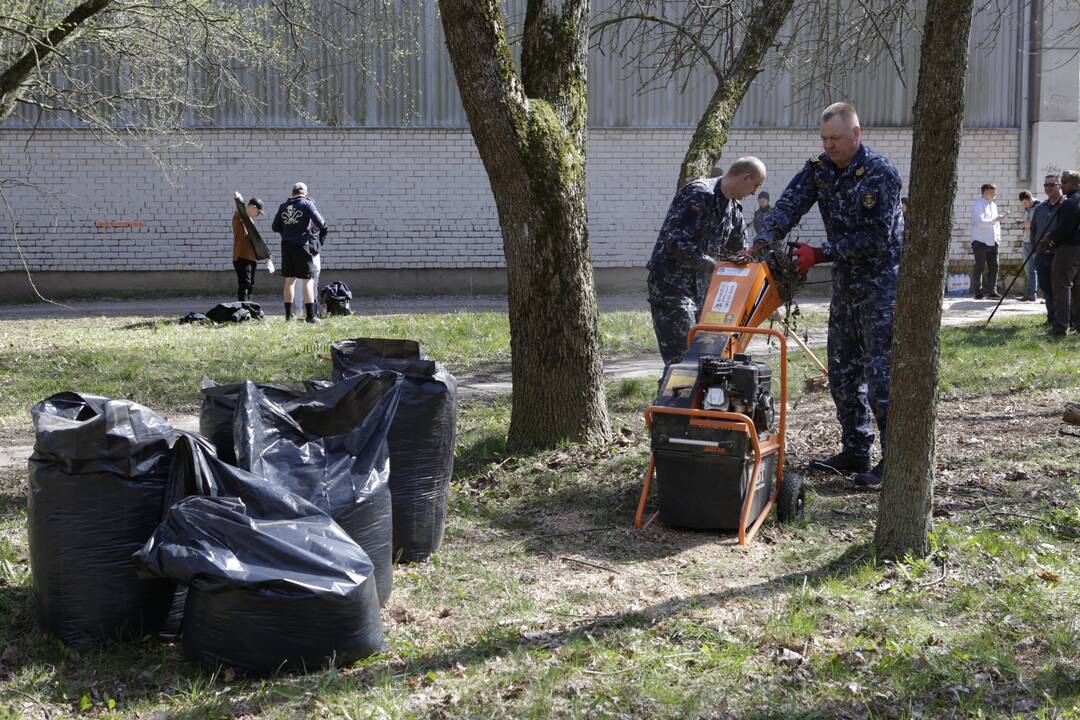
[418,89]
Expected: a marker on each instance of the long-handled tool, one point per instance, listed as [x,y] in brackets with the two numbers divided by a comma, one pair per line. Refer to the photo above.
[798,341]
[814,383]
[1034,250]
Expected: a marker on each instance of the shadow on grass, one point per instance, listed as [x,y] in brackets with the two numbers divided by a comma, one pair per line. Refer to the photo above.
[583,501]
[996,335]
[506,640]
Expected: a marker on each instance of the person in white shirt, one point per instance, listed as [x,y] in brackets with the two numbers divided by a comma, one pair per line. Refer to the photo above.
[985,238]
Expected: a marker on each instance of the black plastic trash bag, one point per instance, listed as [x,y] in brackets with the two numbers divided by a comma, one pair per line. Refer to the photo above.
[336,297]
[263,594]
[421,438]
[329,447]
[195,466]
[99,486]
[219,408]
[235,312]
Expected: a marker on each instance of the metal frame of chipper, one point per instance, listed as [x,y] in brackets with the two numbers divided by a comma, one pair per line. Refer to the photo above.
[716,430]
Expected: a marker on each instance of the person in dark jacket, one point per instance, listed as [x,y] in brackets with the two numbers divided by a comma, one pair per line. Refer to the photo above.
[1042,222]
[302,231]
[703,225]
[763,208]
[857,192]
[1064,240]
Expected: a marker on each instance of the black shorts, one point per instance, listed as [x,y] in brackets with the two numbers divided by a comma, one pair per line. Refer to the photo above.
[297,261]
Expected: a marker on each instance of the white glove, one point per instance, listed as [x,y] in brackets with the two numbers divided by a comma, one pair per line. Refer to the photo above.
[270,265]
[238,196]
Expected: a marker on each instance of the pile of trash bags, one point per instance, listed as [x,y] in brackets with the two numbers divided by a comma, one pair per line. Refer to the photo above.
[268,539]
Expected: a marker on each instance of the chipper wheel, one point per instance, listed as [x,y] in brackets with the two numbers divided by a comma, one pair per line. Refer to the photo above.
[792,501]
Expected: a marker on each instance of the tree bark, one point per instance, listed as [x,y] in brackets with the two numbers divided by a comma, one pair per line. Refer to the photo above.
[766,19]
[530,132]
[904,510]
[14,77]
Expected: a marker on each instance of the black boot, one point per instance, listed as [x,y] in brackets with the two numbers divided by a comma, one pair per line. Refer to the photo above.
[841,463]
[309,311]
[870,478]
[288,312]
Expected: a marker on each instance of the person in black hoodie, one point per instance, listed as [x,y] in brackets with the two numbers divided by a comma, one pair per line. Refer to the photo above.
[1064,239]
[297,221]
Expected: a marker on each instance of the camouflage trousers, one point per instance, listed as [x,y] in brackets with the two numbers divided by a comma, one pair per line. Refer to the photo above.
[860,364]
[674,312]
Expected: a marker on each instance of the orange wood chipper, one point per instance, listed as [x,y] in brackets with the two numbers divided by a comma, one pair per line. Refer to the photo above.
[716,426]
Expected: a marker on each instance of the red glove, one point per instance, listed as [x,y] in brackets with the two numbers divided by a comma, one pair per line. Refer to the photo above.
[805,256]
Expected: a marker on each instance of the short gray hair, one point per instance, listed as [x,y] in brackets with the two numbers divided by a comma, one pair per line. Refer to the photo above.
[843,110]
[748,165]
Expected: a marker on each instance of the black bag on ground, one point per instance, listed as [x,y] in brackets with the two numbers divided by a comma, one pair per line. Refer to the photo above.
[266,595]
[235,312]
[335,297]
[219,408]
[421,438]
[99,486]
[329,447]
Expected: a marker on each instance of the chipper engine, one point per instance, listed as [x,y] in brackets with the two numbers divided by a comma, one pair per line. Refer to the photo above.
[717,426]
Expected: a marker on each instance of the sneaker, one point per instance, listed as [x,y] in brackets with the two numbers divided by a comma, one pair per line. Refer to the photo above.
[870,478]
[979,297]
[313,321]
[1027,299]
[841,463]
[993,296]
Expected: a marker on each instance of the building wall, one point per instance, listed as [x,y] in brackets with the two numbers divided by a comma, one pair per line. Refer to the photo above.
[407,199]
[417,88]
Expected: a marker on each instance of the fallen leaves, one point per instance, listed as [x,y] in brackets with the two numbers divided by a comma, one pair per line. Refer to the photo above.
[1049,577]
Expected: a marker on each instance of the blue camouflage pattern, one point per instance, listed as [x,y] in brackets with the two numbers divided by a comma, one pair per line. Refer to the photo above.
[864,229]
[701,226]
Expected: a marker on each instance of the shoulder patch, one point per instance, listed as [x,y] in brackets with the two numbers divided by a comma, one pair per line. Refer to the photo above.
[869,200]
[859,171]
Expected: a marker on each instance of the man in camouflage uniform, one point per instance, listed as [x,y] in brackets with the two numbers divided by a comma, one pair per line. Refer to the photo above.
[705,222]
[858,194]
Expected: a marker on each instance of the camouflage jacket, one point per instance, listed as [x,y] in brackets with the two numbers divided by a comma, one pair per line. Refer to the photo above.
[701,225]
[860,206]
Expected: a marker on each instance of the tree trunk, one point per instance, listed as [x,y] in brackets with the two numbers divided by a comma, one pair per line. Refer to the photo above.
[14,77]
[766,19]
[904,511]
[531,136]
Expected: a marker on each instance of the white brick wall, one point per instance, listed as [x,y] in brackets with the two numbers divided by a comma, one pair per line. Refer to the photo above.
[393,198]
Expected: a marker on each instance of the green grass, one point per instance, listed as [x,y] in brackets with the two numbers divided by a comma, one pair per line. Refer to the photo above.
[1014,354]
[160,363]
[543,602]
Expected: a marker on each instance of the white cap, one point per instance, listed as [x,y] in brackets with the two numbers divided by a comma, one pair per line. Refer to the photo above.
[299,187]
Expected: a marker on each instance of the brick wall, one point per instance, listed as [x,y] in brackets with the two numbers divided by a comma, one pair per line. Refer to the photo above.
[394,198]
